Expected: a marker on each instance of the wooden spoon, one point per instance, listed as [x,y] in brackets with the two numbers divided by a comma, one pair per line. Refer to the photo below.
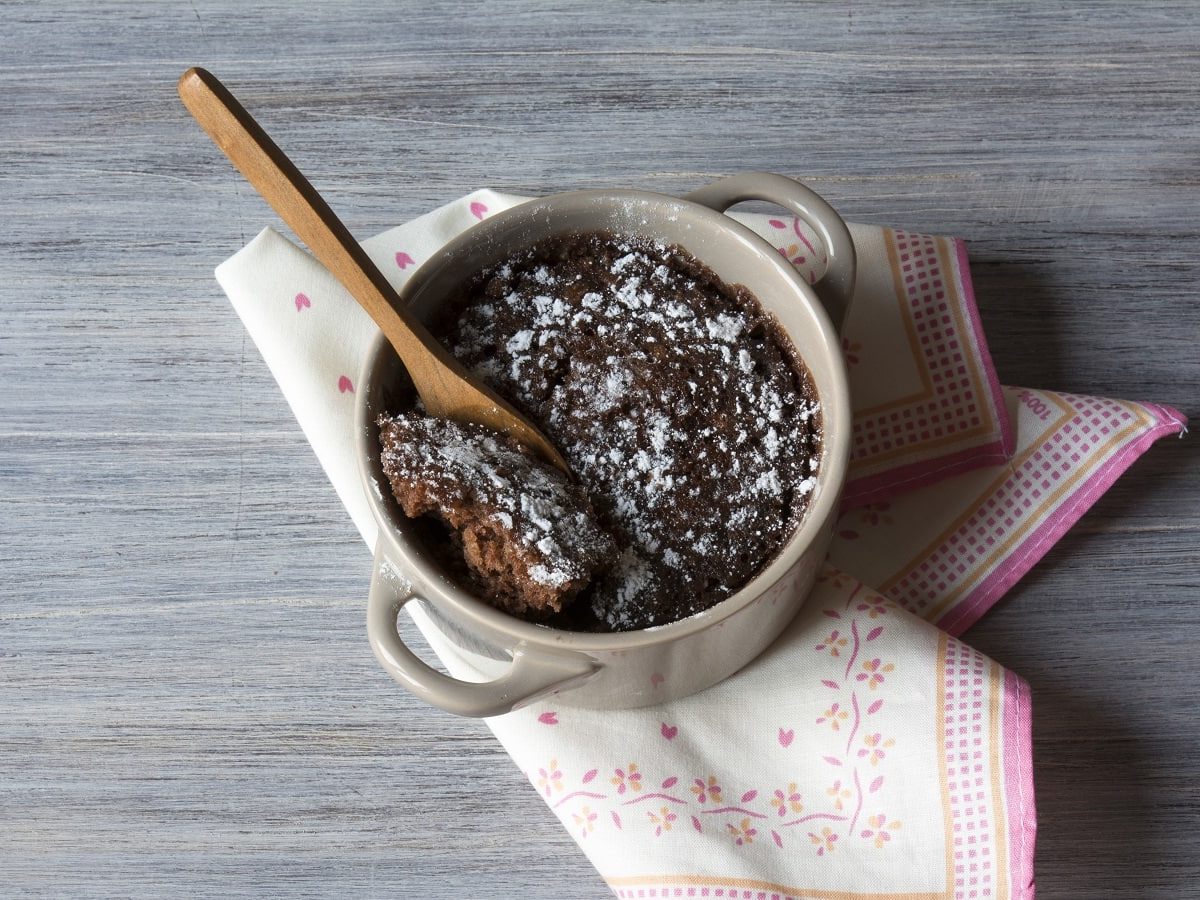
[446,388]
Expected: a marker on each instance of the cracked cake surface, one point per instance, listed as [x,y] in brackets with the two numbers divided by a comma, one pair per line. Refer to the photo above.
[527,535]
[680,405]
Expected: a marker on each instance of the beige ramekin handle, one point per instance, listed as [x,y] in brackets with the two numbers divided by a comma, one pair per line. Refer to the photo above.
[836,286]
[528,678]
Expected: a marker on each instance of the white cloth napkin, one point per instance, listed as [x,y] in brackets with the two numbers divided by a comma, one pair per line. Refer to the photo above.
[867,754]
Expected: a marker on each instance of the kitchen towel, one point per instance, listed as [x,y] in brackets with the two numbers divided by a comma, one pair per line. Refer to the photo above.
[868,753]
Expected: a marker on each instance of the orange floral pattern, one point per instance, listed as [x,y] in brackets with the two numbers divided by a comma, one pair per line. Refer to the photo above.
[835,643]
[706,791]
[835,716]
[825,842]
[880,829]
[874,746]
[550,778]
[662,820]
[762,817]
[627,779]
[586,820]
[787,799]
[743,832]
[873,672]
[839,794]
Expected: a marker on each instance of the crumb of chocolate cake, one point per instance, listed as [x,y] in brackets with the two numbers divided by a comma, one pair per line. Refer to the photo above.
[679,404]
[527,535]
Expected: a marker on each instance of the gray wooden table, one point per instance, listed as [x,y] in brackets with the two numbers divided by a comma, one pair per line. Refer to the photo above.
[187,703]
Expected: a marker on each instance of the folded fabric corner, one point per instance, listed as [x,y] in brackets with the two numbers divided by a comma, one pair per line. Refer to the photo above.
[949,551]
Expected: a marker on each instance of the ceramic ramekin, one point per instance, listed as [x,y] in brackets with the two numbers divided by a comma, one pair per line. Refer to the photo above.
[526,661]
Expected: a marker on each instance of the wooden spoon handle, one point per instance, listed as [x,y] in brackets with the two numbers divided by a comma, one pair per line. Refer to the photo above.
[282,185]
[444,385]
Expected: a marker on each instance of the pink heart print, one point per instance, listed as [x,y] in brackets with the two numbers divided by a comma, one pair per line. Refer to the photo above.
[669,731]
[345,384]
[403,260]
[786,736]
[302,302]
[548,718]
[478,209]
[657,678]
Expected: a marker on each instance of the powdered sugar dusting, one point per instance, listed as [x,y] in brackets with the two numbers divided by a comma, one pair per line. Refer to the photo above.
[673,398]
[476,480]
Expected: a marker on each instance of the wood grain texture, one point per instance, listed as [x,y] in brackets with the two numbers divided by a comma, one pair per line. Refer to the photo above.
[187,702]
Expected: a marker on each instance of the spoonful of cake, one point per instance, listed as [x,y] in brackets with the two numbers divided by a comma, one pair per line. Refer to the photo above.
[447,389]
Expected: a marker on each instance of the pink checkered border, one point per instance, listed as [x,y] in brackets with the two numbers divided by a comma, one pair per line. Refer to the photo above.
[981,867]
[956,561]
[958,402]
[1165,420]
[966,746]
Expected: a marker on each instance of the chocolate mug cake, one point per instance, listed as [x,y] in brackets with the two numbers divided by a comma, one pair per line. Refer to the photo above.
[684,413]
[523,661]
